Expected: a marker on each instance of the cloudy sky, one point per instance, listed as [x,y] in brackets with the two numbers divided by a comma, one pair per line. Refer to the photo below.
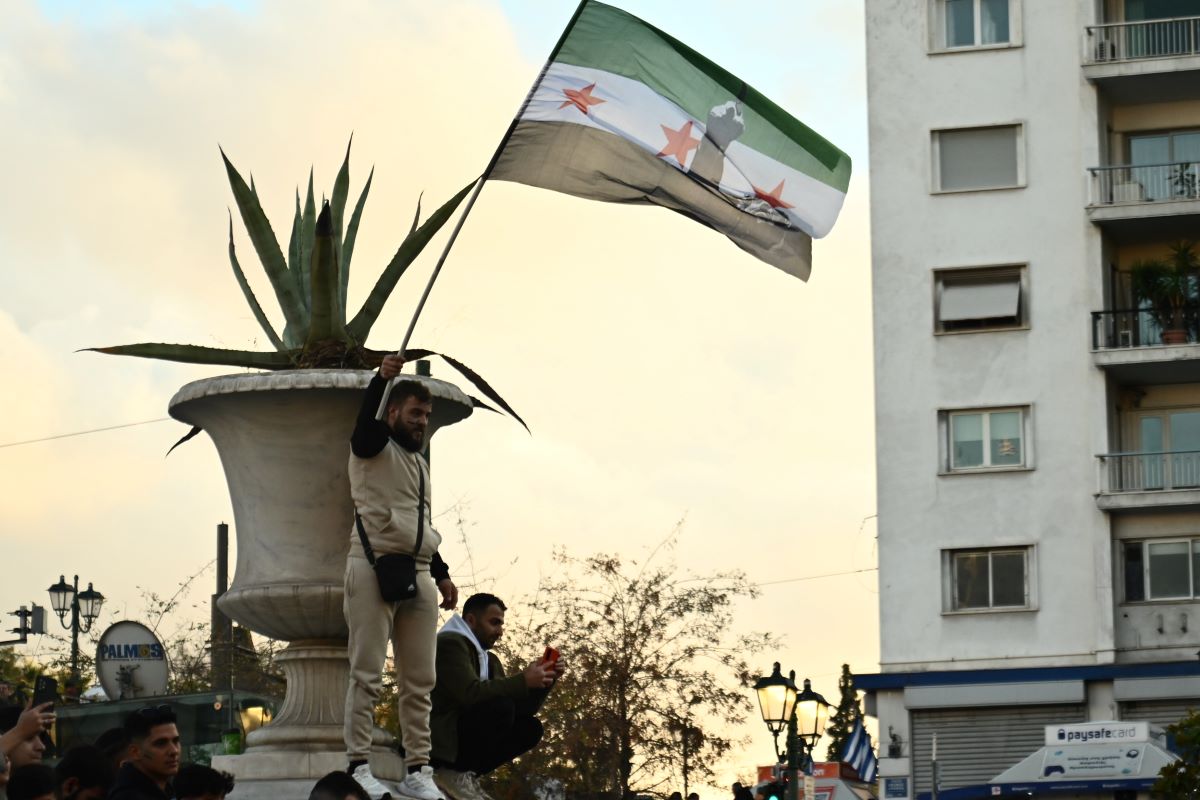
[666,374]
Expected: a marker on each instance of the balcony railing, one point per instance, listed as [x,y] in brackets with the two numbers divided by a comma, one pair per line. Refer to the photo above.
[1145,472]
[1149,183]
[1133,41]
[1116,330]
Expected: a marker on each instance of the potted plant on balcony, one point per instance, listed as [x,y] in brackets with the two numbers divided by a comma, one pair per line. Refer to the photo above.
[1169,288]
[283,439]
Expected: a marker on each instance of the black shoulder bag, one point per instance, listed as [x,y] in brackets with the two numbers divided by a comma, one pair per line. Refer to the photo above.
[397,572]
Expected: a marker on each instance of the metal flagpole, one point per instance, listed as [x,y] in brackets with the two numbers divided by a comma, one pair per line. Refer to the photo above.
[474,194]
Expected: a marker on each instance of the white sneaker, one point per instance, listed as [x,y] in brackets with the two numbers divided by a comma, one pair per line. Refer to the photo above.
[460,785]
[370,784]
[419,785]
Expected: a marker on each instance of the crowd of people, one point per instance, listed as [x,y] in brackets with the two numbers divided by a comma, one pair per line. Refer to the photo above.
[139,760]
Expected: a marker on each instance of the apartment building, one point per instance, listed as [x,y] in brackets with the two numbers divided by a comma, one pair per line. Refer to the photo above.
[1034,165]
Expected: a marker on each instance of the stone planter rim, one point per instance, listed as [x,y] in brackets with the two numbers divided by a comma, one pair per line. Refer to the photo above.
[289,379]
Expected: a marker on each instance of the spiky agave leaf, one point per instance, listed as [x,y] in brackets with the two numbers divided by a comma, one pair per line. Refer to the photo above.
[417,213]
[337,205]
[326,321]
[412,246]
[267,247]
[307,225]
[195,354]
[250,298]
[293,260]
[471,375]
[348,242]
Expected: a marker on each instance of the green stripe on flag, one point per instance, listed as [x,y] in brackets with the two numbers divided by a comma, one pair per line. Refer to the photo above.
[610,39]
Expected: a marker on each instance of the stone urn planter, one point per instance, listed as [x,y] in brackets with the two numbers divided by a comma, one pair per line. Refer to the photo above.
[284,442]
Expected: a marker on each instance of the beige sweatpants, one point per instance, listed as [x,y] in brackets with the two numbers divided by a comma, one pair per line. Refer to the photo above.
[411,625]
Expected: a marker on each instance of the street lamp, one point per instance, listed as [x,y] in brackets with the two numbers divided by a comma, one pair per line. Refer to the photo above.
[690,739]
[84,608]
[804,715]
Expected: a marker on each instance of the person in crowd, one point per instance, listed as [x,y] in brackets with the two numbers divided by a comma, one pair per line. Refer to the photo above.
[481,717]
[31,782]
[153,756]
[741,792]
[83,773]
[198,782]
[339,786]
[114,742]
[389,483]
[23,737]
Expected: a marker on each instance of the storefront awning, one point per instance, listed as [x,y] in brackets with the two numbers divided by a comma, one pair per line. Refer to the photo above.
[1086,757]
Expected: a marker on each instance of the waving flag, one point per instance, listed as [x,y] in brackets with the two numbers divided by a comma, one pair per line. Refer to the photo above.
[857,753]
[627,114]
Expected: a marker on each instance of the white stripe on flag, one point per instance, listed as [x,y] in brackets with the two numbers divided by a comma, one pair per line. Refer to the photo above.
[637,113]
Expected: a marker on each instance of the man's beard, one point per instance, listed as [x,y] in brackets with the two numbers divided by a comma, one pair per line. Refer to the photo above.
[406,439]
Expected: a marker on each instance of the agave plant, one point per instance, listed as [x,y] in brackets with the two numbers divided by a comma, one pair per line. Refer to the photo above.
[310,285]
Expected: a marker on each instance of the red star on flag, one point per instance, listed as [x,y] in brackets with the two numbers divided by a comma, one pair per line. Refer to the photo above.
[774,197]
[679,143]
[581,98]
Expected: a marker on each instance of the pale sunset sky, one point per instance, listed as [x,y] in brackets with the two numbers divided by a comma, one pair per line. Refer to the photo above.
[665,374]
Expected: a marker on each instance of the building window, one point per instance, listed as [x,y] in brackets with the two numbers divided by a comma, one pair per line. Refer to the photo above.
[995,578]
[986,439]
[970,159]
[989,298]
[1162,569]
[973,23]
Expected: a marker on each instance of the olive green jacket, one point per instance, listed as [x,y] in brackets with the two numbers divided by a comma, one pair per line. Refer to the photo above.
[458,687]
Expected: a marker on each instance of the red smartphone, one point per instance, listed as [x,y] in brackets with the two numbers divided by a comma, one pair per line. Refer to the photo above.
[550,656]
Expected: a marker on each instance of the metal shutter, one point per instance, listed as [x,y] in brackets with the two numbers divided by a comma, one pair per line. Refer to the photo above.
[1158,712]
[977,744]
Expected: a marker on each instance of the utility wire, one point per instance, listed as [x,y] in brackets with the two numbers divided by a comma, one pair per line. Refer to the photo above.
[817,577]
[84,433]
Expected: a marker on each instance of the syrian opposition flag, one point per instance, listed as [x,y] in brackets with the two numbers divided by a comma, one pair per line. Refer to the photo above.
[625,113]
[857,753]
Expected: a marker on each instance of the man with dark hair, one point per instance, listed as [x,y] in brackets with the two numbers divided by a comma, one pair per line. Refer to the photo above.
[154,751]
[338,786]
[389,482]
[198,782]
[482,719]
[83,773]
[31,782]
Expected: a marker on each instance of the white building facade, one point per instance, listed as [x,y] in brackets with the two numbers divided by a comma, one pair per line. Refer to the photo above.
[1033,162]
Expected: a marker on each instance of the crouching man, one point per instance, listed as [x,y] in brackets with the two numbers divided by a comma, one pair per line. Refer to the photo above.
[481,718]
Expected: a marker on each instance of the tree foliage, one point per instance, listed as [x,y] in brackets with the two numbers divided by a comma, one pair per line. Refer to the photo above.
[1180,780]
[650,660]
[841,722]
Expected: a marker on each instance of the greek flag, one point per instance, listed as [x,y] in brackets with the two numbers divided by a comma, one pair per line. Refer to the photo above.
[858,753]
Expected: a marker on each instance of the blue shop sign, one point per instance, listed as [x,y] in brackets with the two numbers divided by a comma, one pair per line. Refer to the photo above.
[895,787]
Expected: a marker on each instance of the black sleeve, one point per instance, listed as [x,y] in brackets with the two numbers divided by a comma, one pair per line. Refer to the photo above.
[438,569]
[370,435]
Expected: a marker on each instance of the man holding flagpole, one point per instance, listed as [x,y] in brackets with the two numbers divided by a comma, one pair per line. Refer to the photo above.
[390,486]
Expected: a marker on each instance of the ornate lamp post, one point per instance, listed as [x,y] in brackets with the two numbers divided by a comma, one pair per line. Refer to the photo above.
[84,608]
[803,713]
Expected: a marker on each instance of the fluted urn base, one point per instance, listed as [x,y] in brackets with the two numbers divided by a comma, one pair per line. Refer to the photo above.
[304,740]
